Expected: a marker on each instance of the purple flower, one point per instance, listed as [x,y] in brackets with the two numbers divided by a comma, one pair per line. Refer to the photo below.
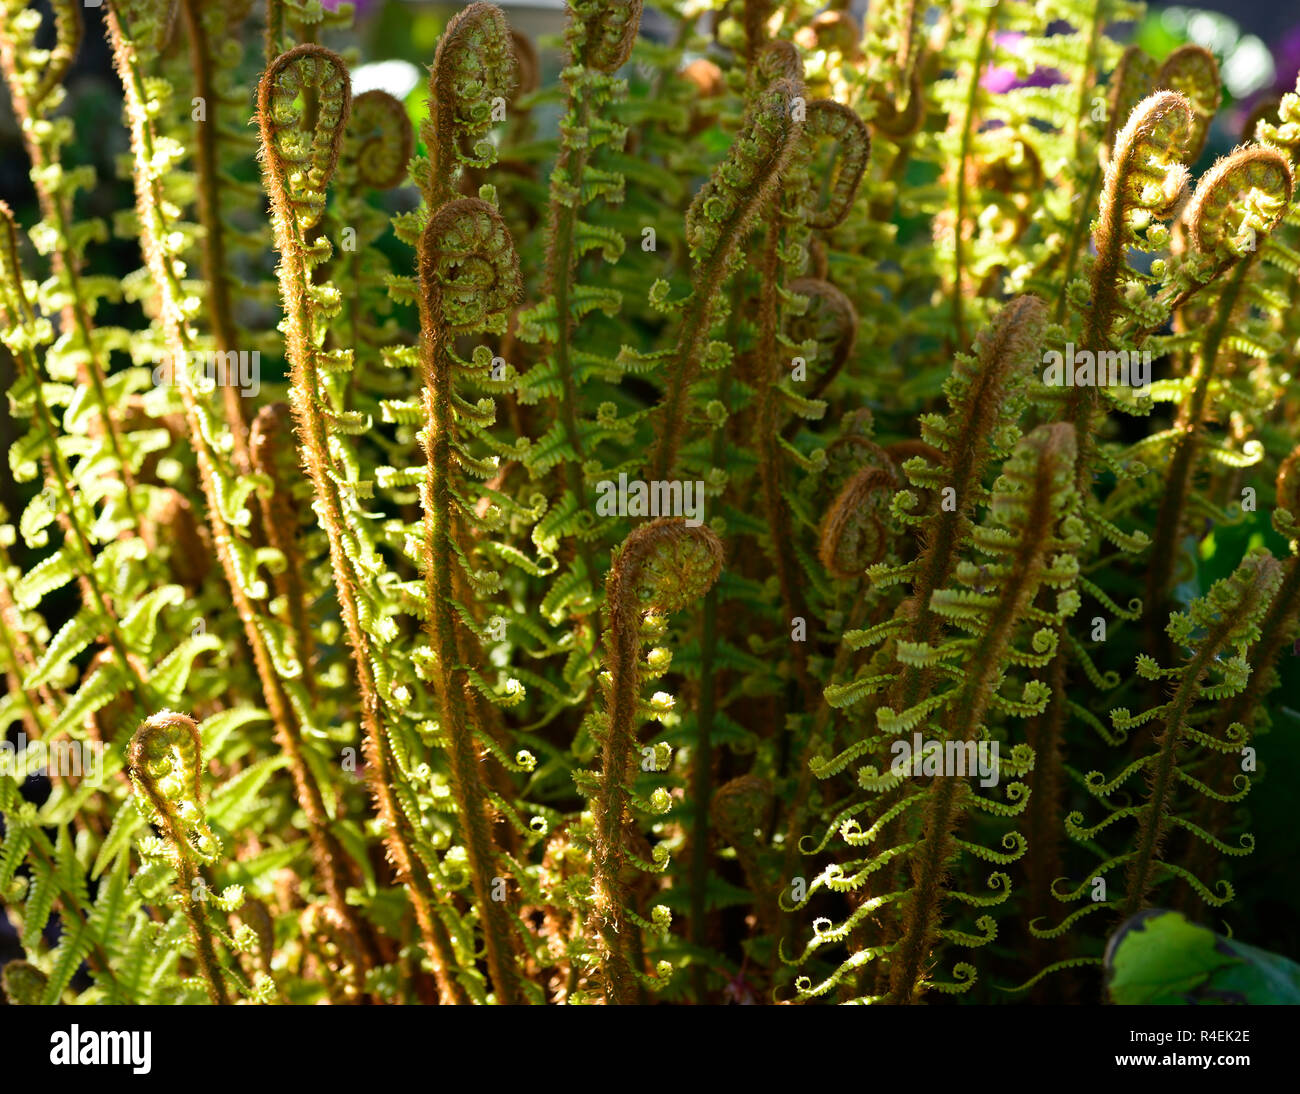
[361,6]
[1286,56]
[998,78]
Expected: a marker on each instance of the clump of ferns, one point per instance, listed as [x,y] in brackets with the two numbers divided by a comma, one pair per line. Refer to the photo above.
[433,587]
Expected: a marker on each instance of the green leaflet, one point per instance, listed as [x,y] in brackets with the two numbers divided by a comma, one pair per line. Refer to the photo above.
[1160,958]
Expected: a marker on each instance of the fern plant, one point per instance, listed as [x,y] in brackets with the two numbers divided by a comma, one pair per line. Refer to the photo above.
[680,518]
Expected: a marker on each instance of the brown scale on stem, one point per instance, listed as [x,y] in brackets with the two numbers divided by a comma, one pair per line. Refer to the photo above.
[216,260]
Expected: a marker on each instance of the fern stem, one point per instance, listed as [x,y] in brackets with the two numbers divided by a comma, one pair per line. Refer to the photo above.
[561,262]
[692,331]
[462,753]
[702,790]
[1161,781]
[1173,499]
[271,446]
[769,458]
[215,257]
[1047,737]
[702,763]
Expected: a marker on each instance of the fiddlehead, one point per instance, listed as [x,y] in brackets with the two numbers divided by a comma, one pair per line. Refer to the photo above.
[1238,201]
[663,567]
[384,139]
[1145,178]
[473,68]
[606,31]
[300,159]
[164,765]
[829,318]
[1192,71]
[1235,204]
[854,533]
[852,141]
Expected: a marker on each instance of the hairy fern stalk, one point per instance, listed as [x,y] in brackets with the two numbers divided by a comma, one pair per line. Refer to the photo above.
[745,514]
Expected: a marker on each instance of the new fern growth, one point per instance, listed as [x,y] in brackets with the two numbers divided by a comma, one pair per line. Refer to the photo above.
[761,511]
